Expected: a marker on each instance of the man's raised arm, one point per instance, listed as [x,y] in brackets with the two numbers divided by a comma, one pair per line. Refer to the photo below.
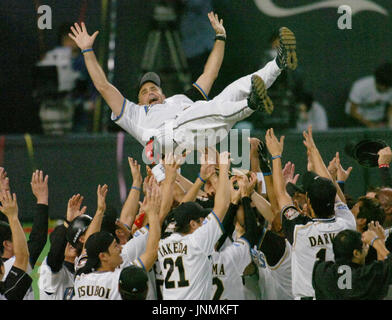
[215,59]
[85,42]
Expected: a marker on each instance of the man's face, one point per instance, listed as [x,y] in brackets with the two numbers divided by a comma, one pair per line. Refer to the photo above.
[2,271]
[361,222]
[114,254]
[70,252]
[150,93]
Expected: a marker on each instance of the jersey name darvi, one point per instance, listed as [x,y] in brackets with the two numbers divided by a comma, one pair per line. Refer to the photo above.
[321,239]
[96,291]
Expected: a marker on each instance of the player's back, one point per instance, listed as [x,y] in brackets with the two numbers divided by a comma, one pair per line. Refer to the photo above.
[186,268]
[312,239]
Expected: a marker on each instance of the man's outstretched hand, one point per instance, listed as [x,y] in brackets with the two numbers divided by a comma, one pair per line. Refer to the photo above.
[217,24]
[81,36]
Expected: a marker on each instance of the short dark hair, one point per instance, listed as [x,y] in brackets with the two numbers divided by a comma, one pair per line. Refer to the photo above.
[371,210]
[185,213]
[345,243]
[321,193]
[383,74]
[307,99]
[5,235]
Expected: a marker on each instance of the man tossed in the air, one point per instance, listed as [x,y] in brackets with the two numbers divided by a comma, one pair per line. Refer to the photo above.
[190,118]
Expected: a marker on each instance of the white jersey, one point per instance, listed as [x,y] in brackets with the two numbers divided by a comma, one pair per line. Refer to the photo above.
[372,104]
[7,267]
[55,285]
[228,266]
[185,261]
[144,122]
[104,285]
[308,238]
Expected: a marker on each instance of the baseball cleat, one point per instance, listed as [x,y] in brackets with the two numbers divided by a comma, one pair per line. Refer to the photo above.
[287,56]
[258,98]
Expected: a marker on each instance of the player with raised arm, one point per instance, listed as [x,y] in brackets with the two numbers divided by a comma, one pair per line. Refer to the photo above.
[184,255]
[99,279]
[309,236]
[17,282]
[182,119]
[39,232]
[57,271]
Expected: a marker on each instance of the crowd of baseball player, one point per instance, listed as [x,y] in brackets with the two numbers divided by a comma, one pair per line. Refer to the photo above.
[228,234]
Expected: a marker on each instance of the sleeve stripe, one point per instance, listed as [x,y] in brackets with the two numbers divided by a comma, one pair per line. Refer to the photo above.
[16,283]
[217,219]
[122,111]
[142,264]
[201,91]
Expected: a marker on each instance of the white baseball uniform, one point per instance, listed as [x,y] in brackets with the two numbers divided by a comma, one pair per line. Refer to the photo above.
[55,285]
[308,237]
[371,103]
[104,285]
[180,119]
[7,267]
[228,266]
[185,261]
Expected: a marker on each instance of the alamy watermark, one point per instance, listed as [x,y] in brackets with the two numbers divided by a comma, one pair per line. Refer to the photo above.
[345,20]
[45,17]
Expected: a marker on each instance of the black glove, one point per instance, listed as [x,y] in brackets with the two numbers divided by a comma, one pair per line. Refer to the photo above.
[265,164]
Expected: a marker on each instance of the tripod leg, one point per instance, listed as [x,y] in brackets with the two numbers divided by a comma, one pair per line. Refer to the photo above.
[150,52]
[181,68]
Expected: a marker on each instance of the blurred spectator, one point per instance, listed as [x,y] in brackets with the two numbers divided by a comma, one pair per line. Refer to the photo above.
[370,99]
[71,106]
[311,112]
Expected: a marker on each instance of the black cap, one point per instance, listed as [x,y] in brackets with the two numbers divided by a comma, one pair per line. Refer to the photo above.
[188,211]
[365,152]
[133,283]
[150,77]
[321,193]
[292,188]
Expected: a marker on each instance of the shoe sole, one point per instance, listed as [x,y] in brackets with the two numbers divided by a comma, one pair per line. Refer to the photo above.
[261,92]
[288,41]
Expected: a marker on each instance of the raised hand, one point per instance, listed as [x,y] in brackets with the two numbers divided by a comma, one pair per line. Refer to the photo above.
[308,136]
[135,171]
[378,229]
[9,205]
[39,186]
[4,180]
[288,173]
[217,24]
[332,168]
[101,196]
[81,37]
[152,202]
[73,209]
[384,156]
[341,174]
[171,165]
[274,146]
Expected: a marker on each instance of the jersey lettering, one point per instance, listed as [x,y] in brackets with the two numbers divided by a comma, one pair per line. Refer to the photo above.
[95,291]
[322,239]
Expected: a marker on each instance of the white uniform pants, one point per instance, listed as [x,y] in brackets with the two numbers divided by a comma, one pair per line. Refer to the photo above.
[210,121]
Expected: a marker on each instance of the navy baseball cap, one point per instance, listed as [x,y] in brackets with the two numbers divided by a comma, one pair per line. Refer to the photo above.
[150,77]
[188,211]
[133,283]
[321,193]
